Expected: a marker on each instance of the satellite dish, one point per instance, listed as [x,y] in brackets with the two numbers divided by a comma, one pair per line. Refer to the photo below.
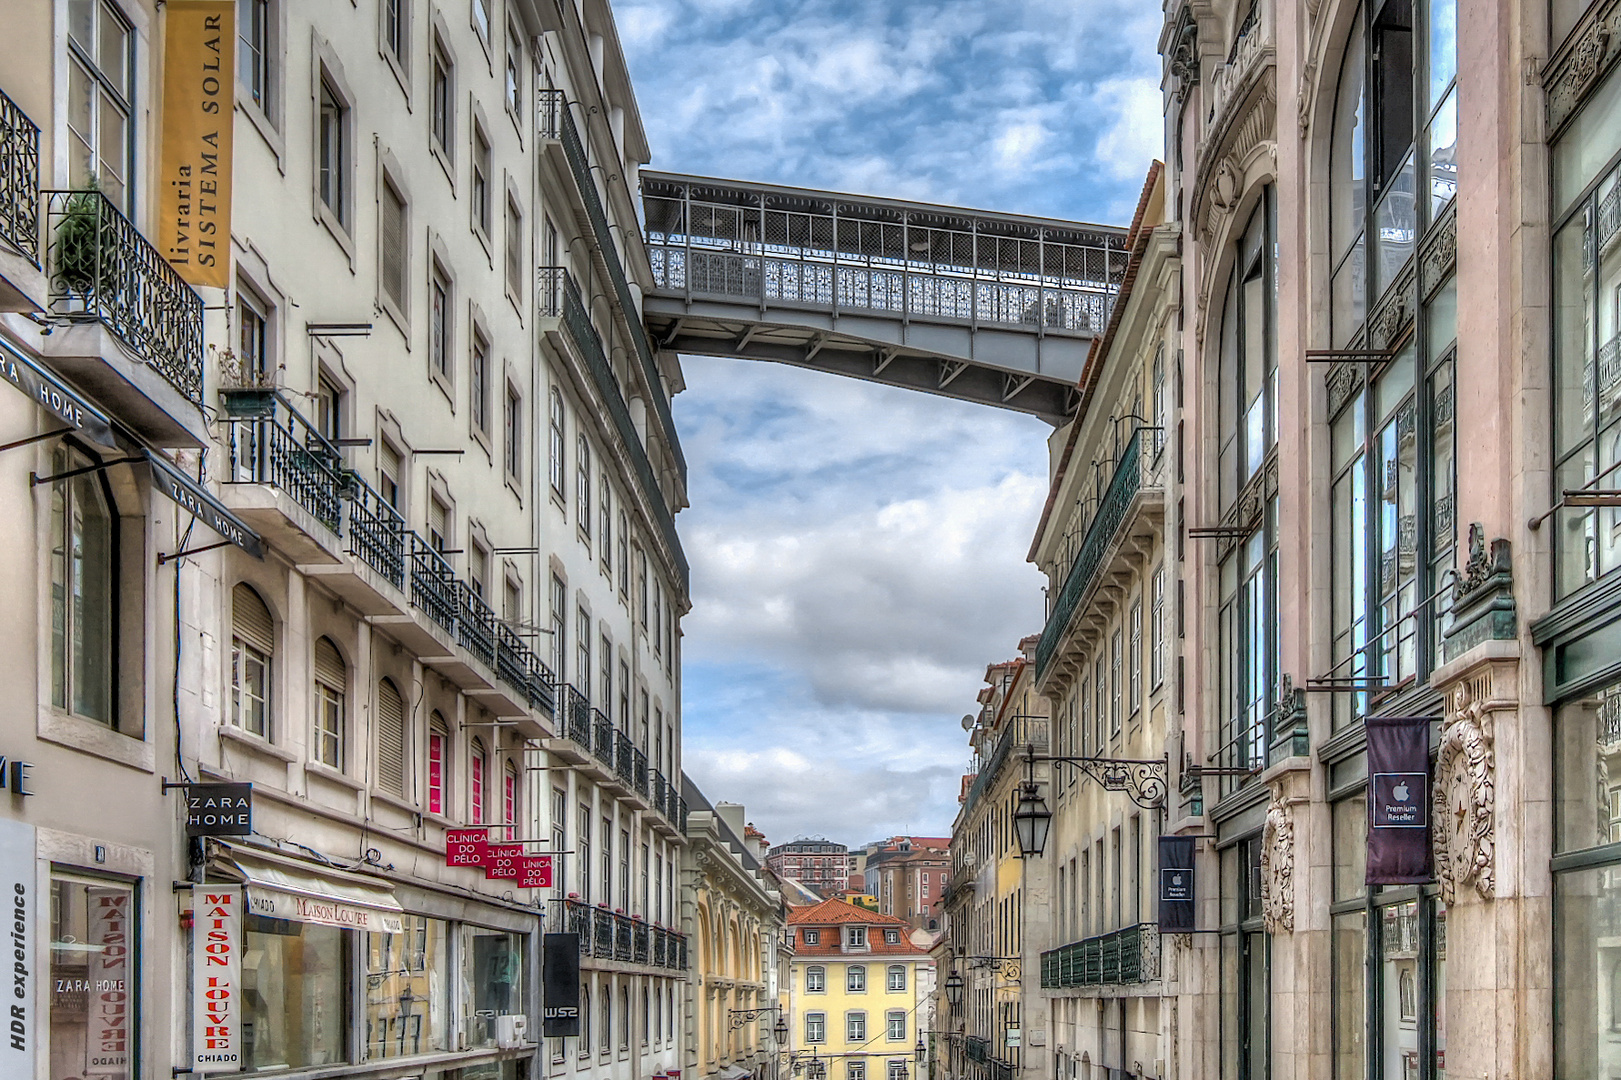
[968,721]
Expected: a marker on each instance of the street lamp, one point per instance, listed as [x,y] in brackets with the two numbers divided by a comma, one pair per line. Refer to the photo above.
[780,1030]
[1031,820]
[922,1051]
[954,989]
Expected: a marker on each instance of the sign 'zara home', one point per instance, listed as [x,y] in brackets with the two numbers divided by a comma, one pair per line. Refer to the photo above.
[219,809]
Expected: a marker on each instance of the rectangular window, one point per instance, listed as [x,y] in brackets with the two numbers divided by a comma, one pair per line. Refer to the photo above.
[557,464]
[393,250]
[855,937]
[1116,648]
[253,55]
[559,883]
[396,30]
[582,645]
[1134,664]
[641,586]
[815,980]
[333,159]
[101,93]
[815,1027]
[559,627]
[514,249]
[1156,631]
[583,840]
[514,434]
[440,329]
[479,391]
[582,487]
[855,1070]
[438,746]
[897,1026]
[855,1027]
[95,999]
[605,525]
[252,358]
[481,24]
[897,977]
[813,937]
[299,1012]
[514,71]
[624,554]
[855,979]
[328,724]
[481,181]
[442,100]
[405,977]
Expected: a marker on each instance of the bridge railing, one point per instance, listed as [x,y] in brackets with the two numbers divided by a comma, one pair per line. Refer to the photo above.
[821,260]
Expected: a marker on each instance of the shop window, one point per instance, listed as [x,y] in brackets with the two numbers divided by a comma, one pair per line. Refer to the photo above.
[406,977]
[84,591]
[1245,990]
[252,649]
[296,984]
[95,1000]
[492,981]
[331,682]
[391,739]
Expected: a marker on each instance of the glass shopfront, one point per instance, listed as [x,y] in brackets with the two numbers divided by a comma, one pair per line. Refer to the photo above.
[295,988]
[492,983]
[406,996]
[94,987]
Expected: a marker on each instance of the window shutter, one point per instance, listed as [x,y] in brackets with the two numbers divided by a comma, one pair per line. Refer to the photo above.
[390,739]
[329,667]
[250,619]
[436,520]
[393,244]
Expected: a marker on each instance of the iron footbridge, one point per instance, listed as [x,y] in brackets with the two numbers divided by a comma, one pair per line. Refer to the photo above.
[993,308]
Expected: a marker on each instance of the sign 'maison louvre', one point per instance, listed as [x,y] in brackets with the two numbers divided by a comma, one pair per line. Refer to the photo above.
[216,978]
[194,188]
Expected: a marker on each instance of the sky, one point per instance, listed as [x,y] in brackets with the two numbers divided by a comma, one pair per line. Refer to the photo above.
[858,551]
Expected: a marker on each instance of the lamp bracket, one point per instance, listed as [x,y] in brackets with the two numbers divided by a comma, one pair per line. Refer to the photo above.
[1145,780]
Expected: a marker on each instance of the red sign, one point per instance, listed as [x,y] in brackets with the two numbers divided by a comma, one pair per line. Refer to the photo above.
[535,872]
[466,847]
[501,860]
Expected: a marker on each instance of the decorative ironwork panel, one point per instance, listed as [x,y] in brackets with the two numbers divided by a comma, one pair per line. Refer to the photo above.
[101,268]
[475,624]
[602,746]
[376,531]
[433,584]
[284,451]
[19,179]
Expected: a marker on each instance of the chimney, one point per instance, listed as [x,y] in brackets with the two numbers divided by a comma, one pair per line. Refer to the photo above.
[732,814]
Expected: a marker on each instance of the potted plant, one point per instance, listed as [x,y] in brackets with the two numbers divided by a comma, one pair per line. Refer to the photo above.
[246,393]
[78,241]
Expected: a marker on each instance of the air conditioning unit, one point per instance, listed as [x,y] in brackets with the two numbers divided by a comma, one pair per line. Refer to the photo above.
[511,1031]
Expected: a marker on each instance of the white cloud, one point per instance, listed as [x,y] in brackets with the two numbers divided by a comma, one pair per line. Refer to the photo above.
[1137,135]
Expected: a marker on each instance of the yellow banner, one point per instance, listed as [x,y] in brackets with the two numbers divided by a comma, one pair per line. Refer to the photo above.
[199,91]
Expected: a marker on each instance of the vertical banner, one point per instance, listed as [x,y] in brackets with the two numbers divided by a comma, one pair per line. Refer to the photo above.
[216,978]
[194,181]
[108,1036]
[1399,851]
[20,913]
[560,986]
[1176,899]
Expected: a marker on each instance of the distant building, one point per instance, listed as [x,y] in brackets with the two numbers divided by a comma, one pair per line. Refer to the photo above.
[819,863]
[908,875]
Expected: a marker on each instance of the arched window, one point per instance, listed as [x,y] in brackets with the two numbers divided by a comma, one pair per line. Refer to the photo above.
[509,799]
[252,648]
[390,739]
[438,761]
[83,591]
[331,684]
[477,766]
[584,1044]
[624,1018]
[605,1035]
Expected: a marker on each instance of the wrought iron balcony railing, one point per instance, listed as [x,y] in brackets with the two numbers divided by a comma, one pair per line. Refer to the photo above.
[475,627]
[602,933]
[433,584]
[640,761]
[19,179]
[376,530]
[602,740]
[624,765]
[612,935]
[1021,731]
[641,942]
[557,122]
[1127,481]
[576,716]
[586,339]
[101,268]
[1128,955]
[285,451]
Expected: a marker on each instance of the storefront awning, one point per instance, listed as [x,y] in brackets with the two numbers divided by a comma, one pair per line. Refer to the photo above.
[195,499]
[733,1072]
[52,395]
[286,889]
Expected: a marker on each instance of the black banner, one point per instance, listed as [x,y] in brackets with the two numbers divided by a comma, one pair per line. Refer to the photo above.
[219,809]
[50,394]
[560,986]
[192,497]
[1399,851]
[1176,897]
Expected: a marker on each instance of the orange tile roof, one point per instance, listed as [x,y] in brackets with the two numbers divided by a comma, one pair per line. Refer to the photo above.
[835,913]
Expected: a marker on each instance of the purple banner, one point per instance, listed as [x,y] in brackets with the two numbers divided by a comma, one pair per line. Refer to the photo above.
[1399,851]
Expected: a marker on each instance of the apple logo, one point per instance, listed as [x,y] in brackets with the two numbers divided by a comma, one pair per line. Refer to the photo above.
[1176,879]
[1400,792]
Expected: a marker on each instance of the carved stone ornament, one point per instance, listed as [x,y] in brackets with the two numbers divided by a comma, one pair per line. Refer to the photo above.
[1466,792]
[1278,866]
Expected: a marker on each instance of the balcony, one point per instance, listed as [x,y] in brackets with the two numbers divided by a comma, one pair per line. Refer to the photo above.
[136,334]
[22,282]
[286,481]
[1020,732]
[1122,957]
[1135,495]
[560,298]
[624,939]
[1252,53]
[557,127]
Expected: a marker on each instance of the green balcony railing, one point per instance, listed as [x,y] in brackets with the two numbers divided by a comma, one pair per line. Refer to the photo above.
[1123,487]
[556,122]
[585,337]
[1128,955]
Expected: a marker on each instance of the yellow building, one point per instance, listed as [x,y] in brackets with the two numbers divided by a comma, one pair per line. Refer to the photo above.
[855,992]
